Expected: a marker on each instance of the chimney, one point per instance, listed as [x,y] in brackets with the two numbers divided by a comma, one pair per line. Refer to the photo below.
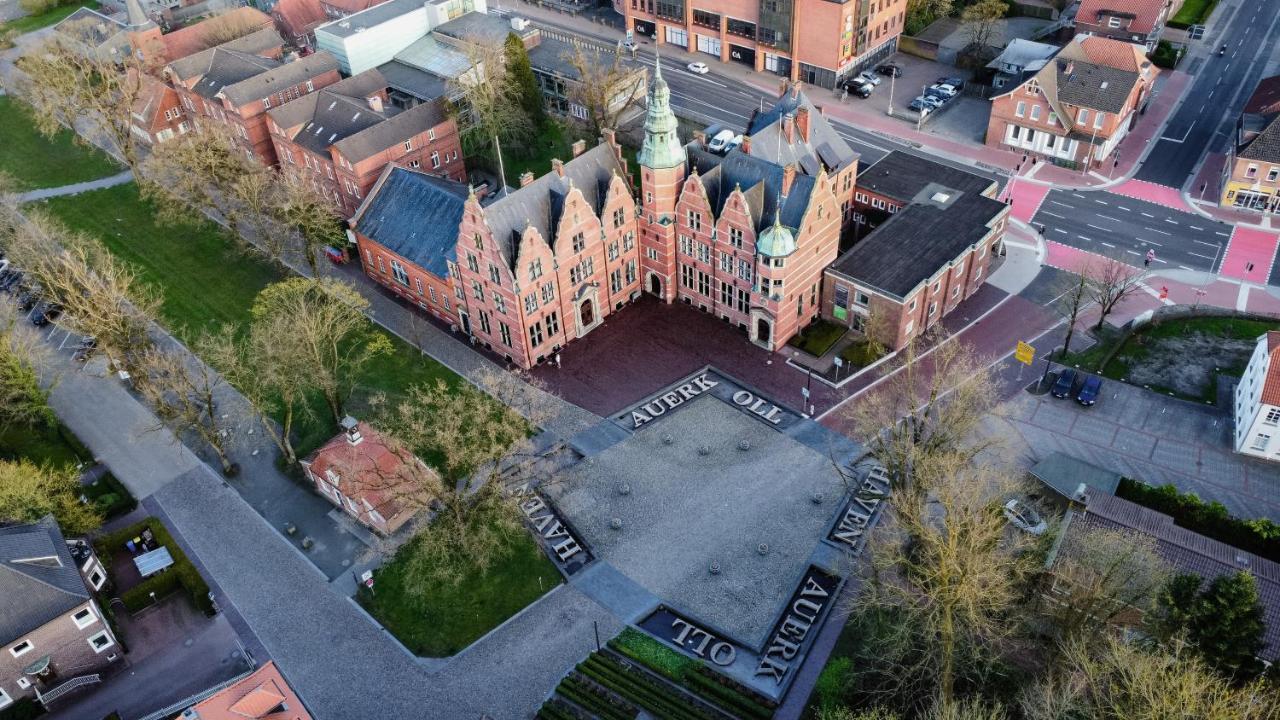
[699,137]
[788,177]
[609,135]
[526,177]
[375,103]
[802,123]
[351,428]
[746,144]
[557,166]
[789,127]
[578,147]
[1070,69]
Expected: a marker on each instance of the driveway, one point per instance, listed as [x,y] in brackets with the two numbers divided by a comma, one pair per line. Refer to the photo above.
[1148,437]
[174,652]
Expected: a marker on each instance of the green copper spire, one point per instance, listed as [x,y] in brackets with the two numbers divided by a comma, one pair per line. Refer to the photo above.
[662,148]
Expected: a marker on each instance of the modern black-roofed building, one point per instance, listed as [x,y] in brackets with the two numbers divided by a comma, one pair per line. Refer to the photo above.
[934,249]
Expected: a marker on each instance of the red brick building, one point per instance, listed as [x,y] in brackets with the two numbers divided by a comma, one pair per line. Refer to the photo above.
[297,20]
[374,480]
[342,136]
[263,695]
[1079,106]
[813,41]
[745,236]
[1132,21]
[909,271]
[158,115]
[237,87]
[159,48]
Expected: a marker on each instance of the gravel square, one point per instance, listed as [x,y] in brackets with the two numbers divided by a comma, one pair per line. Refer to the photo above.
[683,510]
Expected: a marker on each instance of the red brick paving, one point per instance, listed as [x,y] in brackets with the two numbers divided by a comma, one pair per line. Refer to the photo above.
[1151,192]
[1249,255]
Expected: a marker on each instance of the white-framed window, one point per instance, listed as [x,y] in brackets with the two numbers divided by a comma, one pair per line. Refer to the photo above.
[97,579]
[83,618]
[24,683]
[1082,117]
[435,159]
[399,273]
[1098,119]
[101,641]
[417,283]
[1021,111]
[1260,442]
[1273,416]
[431,134]
[332,476]
[861,298]
[310,86]
[5,700]
[1113,22]
[408,145]
[1273,173]
[1035,112]
[21,648]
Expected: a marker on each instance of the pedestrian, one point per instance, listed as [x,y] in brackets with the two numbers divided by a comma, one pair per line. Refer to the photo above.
[557,361]
[1151,255]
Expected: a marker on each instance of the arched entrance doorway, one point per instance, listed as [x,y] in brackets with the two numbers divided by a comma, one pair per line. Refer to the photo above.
[587,312]
[764,335]
[655,285]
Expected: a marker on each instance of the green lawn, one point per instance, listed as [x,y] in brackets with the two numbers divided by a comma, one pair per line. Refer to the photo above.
[26,24]
[1193,12]
[54,445]
[205,283]
[535,156]
[38,162]
[452,617]
[818,337]
[861,354]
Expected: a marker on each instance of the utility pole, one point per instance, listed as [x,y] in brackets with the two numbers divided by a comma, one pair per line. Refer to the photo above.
[892,77]
[502,172]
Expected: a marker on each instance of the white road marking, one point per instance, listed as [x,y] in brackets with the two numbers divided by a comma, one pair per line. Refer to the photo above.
[1102,202]
[1124,208]
[1109,245]
[1104,217]
[1084,238]
[1242,300]
[1132,252]
[1150,242]
[1055,202]
[1223,234]
[1204,242]
[1184,267]
[1064,232]
[1046,212]
[1095,227]
[1149,215]
[1194,227]
[1162,232]
[1170,220]
[1206,257]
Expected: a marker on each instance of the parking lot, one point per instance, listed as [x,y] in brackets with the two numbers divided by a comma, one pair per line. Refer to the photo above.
[1145,436]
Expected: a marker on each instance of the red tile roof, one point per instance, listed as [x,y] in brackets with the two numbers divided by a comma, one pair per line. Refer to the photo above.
[349,7]
[1111,53]
[264,695]
[1265,100]
[1144,12]
[1271,383]
[191,39]
[375,470]
[297,18]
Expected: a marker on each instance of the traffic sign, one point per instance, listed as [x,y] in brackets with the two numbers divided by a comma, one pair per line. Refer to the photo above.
[1024,353]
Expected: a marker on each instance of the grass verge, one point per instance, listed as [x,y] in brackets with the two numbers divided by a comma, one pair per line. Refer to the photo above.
[818,337]
[29,23]
[53,445]
[36,161]
[1192,12]
[450,618]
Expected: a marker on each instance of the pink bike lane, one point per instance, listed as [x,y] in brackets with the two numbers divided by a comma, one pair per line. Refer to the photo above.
[1250,254]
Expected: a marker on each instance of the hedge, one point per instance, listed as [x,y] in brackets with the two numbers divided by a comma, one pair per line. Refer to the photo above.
[181,574]
[639,689]
[594,699]
[110,496]
[1211,519]
[22,709]
[691,674]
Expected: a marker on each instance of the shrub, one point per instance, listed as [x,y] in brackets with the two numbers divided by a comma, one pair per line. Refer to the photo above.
[181,574]
[1211,519]
[833,681]
[23,709]
[38,7]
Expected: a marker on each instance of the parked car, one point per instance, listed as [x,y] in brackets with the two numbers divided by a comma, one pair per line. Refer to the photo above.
[861,89]
[629,45]
[10,278]
[45,313]
[733,144]
[889,69]
[698,68]
[1066,382]
[925,103]
[1090,390]
[28,299]
[942,90]
[867,76]
[720,142]
[1025,518]
[955,82]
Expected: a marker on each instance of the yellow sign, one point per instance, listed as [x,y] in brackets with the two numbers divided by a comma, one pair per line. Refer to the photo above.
[1024,353]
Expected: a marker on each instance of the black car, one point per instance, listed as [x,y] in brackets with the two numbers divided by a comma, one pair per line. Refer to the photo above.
[9,280]
[45,313]
[889,69]
[955,82]
[862,90]
[28,300]
[1066,382]
[1090,390]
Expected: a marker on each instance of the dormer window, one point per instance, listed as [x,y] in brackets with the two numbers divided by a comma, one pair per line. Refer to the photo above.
[333,477]
[1033,87]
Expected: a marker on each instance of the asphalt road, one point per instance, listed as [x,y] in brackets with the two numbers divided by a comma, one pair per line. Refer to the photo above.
[1206,119]
[1117,226]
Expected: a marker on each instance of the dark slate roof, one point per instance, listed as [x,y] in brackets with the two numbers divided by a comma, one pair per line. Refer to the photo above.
[280,77]
[1188,552]
[552,56]
[392,130]
[412,81]
[334,113]
[901,176]
[539,203]
[920,239]
[825,146]
[33,593]
[416,216]
[1094,86]
[1266,146]
[1064,474]
[760,180]
[228,67]
[199,63]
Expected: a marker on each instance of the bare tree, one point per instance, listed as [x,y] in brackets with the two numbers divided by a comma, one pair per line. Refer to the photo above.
[491,108]
[67,86]
[1120,681]
[101,295]
[183,392]
[1111,280]
[607,87]
[1073,299]
[980,21]
[322,322]
[28,492]
[302,206]
[257,193]
[1100,573]
[947,570]
[223,28]
[274,378]
[198,171]
[930,405]
[23,356]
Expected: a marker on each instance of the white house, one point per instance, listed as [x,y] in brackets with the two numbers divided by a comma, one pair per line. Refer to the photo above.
[374,36]
[1257,410]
